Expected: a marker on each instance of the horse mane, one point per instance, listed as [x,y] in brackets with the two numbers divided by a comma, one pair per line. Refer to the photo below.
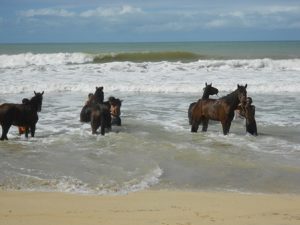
[231,96]
[205,93]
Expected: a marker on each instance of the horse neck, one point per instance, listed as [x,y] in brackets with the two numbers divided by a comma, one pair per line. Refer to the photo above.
[99,99]
[232,99]
[33,103]
[205,94]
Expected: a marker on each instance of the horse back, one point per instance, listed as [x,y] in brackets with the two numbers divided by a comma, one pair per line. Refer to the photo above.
[17,114]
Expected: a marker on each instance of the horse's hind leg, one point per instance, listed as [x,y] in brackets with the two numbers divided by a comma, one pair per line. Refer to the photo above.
[195,126]
[5,129]
[204,125]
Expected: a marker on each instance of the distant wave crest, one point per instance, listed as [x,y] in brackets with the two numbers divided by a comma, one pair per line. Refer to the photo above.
[202,62]
[28,59]
[148,57]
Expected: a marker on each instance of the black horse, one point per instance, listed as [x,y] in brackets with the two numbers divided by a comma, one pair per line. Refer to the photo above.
[207,91]
[25,115]
[221,109]
[96,98]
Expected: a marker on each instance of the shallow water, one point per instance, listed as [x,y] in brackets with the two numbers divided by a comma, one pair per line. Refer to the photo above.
[154,148]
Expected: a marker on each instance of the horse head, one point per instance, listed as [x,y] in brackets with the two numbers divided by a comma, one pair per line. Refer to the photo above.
[241,93]
[209,90]
[99,95]
[36,101]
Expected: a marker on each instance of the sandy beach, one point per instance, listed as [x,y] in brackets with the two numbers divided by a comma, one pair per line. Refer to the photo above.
[149,207]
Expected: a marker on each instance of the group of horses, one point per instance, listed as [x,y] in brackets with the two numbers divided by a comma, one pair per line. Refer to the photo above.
[101,113]
[104,114]
[222,109]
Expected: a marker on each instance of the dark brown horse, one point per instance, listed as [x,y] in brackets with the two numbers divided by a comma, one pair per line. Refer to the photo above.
[96,98]
[207,91]
[221,109]
[100,117]
[25,115]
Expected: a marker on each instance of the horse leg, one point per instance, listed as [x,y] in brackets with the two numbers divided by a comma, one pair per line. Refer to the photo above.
[95,122]
[195,126]
[103,124]
[204,125]
[32,130]
[226,126]
[5,129]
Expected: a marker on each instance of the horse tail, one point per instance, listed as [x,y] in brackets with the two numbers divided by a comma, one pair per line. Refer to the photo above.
[190,110]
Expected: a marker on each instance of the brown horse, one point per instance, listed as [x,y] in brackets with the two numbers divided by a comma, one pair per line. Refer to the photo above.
[207,91]
[221,109]
[24,115]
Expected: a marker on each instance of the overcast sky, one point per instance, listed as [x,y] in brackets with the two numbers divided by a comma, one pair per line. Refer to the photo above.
[152,20]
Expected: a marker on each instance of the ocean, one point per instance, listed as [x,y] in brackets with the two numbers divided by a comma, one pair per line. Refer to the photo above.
[154,148]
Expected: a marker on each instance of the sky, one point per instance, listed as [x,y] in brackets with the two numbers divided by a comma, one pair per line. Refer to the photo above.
[31,21]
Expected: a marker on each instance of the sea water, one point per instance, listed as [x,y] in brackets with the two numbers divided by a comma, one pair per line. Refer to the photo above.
[154,148]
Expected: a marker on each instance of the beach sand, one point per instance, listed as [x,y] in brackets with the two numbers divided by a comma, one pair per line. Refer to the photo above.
[149,207]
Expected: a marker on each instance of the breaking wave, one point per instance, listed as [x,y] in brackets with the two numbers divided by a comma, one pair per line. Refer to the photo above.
[30,59]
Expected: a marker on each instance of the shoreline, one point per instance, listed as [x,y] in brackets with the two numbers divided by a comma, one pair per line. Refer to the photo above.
[149,207]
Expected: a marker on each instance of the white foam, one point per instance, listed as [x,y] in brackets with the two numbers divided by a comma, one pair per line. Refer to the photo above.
[27,59]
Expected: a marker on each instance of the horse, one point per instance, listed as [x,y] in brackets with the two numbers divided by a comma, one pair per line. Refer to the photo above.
[221,109]
[24,115]
[96,98]
[207,91]
[115,110]
[100,117]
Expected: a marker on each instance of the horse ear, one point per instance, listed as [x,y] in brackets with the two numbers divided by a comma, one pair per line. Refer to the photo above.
[34,92]
[205,84]
[238,86]
[101,88]
[42,93]
[246,86]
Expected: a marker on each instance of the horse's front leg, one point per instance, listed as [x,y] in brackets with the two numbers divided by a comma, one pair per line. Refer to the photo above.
[226,127]
[32,130]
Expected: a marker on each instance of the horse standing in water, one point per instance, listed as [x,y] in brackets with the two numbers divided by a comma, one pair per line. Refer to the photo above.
[207,91]
[25,115]
[96,98]
[221,109]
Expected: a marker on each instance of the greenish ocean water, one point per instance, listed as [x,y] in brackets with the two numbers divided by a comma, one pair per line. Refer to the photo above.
[188,51]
